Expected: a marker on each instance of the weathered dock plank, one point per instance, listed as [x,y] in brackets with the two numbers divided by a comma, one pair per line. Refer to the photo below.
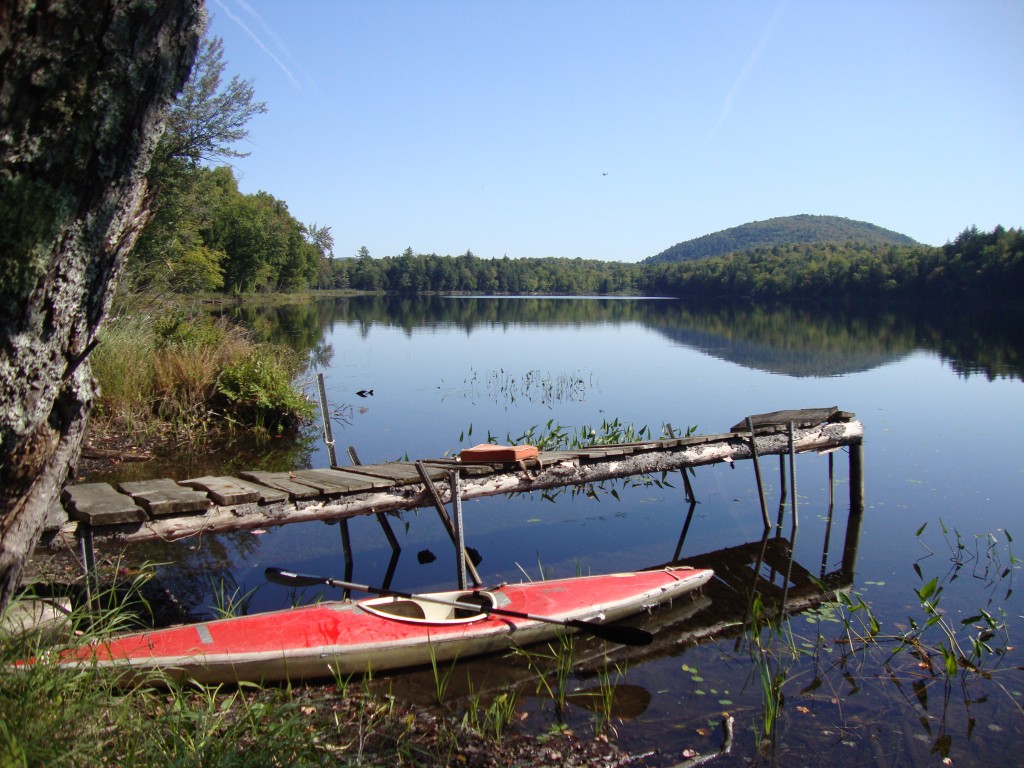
[399,472]
[467,470]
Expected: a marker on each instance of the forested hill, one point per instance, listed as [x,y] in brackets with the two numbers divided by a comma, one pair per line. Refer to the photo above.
[783,230]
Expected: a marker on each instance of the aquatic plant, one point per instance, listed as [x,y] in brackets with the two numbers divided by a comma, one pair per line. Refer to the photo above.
[441,677]
[533,386]
[976,647]
[227,604]
[774,651]
[553,668]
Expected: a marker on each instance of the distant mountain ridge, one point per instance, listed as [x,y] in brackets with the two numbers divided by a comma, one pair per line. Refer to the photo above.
[782,230]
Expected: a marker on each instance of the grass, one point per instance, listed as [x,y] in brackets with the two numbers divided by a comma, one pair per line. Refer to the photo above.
[57,716]
[186,375]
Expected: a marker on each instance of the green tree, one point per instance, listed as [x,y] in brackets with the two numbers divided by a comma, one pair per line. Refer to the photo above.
[209,118]
[206,121]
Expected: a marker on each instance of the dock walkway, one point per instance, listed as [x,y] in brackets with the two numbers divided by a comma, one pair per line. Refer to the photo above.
[167,509]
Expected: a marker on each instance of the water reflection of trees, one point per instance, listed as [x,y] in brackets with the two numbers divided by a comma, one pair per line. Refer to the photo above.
[791,339]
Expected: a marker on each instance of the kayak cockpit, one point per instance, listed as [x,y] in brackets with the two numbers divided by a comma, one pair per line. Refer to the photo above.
[435,608]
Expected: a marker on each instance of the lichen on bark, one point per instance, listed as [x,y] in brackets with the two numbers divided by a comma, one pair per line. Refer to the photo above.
[84,90]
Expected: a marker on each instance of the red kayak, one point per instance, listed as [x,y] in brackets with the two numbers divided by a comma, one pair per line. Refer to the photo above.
[390,632]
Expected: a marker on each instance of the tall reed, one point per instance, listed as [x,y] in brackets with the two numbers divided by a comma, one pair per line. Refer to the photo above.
[187,375]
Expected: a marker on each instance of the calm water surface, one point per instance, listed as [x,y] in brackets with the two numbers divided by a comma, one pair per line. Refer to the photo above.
[940,404]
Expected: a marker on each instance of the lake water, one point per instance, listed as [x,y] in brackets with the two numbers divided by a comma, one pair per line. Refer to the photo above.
[940,400]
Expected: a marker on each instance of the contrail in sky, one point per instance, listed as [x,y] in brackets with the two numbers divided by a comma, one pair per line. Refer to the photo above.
[747,67]
[267,32]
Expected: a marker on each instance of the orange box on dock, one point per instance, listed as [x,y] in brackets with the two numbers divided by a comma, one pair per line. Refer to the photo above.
[500,453]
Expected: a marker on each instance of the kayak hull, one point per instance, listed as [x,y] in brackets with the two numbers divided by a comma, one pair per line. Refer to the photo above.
[346,637]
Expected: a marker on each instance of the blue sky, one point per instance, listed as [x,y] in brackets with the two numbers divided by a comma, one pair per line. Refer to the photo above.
[613,130]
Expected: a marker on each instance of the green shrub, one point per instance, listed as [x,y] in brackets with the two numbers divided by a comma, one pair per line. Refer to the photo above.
[182,329]
[259,392]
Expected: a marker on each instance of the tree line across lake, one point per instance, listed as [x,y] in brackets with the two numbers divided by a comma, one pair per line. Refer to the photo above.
[206,235]
[976,266]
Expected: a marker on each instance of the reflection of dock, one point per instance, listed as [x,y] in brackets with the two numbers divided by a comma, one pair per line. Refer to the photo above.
[722,609]
[168,510]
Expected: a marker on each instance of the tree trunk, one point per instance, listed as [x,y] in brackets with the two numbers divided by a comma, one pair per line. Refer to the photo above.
[84,89]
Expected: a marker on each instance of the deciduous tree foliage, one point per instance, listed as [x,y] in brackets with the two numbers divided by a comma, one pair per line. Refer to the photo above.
[976,267]
[206,235]
[84,92]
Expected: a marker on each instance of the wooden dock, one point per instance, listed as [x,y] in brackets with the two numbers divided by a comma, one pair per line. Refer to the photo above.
[168,510]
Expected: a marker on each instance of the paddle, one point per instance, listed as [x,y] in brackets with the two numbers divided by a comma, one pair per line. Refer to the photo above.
[623,635]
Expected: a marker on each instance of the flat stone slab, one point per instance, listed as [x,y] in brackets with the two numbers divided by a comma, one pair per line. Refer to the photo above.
[282,481]
[226,491]
[267,495]
[803,417]
[165,497]
[100,504]
[345,481]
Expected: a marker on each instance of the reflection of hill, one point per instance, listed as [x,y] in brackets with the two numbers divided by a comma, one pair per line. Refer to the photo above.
[799,362]
[790,342]
[796,341]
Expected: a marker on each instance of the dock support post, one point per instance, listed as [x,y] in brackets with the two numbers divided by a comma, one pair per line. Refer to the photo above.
[853,522]
[857,478]
[88,548]
[389,532]
[757,475]
[455,483]
[687,488]
[783,494]
[686,527]
[346,548]
[445,519]
[326,416]
[831,509]
[792,472]
[381,517]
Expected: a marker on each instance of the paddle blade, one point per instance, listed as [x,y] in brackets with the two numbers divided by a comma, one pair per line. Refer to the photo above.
[623,635]
[290,579]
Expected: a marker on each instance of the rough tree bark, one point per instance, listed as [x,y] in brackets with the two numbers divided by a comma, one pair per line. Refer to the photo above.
[84,87]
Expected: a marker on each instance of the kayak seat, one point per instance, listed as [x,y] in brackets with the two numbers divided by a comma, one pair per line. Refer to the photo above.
[473,598]
[439,611]
[405,609]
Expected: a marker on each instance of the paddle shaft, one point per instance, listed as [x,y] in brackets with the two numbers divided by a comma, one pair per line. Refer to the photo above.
[616,634]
